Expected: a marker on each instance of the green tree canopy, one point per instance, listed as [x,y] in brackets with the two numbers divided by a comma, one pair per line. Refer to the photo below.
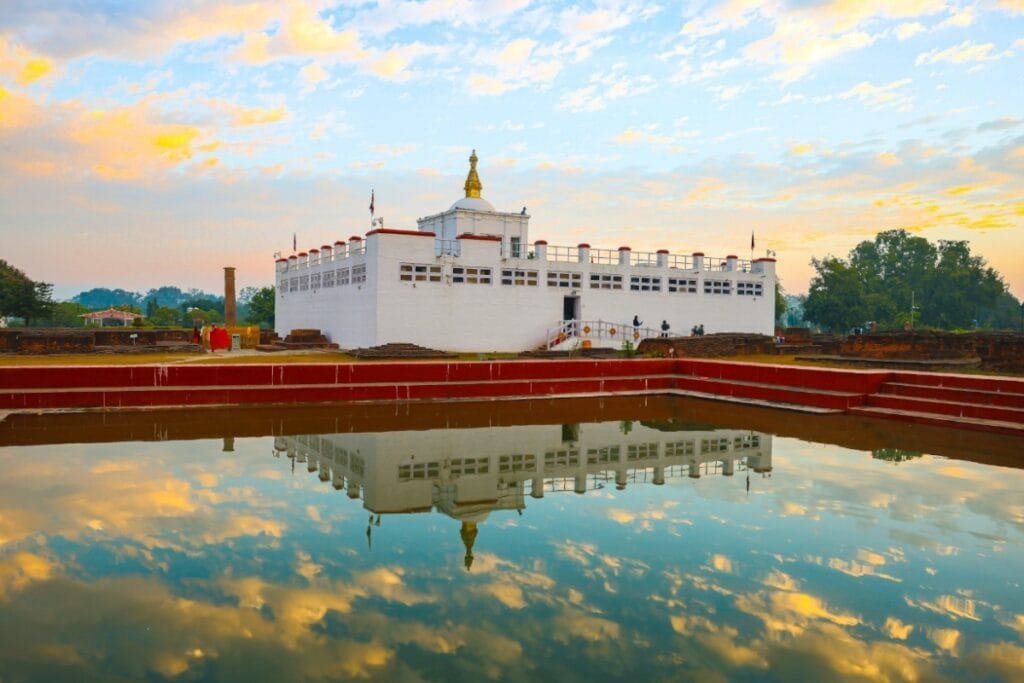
[101,298]
[881,279]
[260,307]
[21,297]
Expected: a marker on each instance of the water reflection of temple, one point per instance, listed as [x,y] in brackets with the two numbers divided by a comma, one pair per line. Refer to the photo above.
[468,473]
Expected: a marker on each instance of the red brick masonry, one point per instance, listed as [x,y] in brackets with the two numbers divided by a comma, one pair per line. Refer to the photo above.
[963,401]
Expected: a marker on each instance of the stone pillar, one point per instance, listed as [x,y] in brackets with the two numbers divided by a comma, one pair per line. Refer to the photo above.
[584,252]
[620,478]
[326,253]
[540,250]
[581,482]
[340,251]
[694,469]
[230,316]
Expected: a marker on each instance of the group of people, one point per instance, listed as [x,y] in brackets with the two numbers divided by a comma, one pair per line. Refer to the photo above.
[219,337]
[696,331]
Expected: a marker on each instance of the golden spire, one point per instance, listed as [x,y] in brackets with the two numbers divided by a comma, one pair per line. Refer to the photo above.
[468,531]
[473,185]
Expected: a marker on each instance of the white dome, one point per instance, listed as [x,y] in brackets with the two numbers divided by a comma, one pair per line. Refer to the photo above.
[473,204]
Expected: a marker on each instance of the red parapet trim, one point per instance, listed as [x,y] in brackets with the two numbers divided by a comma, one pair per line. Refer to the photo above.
[540,242]
[663,251]
[764,258]
[485,238]
[293,256]
[281,260]
[314,251]
[325,246]
[339,243]
[302,253]
[355,238]
[625,249]
[394,231]
[583,245]
[698,253]
[732,256]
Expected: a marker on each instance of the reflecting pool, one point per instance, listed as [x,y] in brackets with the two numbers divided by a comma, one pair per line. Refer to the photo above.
[661,539]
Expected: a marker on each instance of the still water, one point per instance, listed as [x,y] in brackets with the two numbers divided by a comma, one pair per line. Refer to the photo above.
[661,540]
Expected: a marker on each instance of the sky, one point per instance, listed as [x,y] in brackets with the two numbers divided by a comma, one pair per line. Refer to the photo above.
[149,144]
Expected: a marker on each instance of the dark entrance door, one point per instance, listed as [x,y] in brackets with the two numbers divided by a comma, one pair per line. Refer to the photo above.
[571,309]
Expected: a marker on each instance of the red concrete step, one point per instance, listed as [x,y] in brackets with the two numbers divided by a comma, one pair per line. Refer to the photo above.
[954,394]
[1010,385]
[975,424]
[941,407]
[115,397]
[818,398]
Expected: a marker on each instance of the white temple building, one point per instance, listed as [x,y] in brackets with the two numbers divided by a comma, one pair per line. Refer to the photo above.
[469,279]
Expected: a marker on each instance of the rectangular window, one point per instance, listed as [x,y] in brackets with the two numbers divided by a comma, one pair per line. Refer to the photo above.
[293,284]
[641,451]
[461,466]
[515,247]
[676,448]
[517,462]
[471,275]
[605,281]
[419,272]
[607,454]
[744,442]
[314,281]
[561,457]
[717,287]
[419,470]
[714,445]
[343,276]
[565,279]
[328,280]
[682,285]
[359,273]
[303,283]
[644,283]
[519,278]
[749,289]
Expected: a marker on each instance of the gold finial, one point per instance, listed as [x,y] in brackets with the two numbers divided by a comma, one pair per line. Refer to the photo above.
[473,185]
[468,533]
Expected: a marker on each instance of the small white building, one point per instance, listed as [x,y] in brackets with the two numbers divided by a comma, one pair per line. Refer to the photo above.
[469,279]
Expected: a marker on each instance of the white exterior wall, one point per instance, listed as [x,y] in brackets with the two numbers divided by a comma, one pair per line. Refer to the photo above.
[496,317]
[455,222]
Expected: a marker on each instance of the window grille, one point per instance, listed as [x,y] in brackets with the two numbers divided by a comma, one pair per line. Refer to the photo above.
[419,272]
[682,285]
[466,275]
[565,279]
[519,278]
[644,283]
[717,287]
[605,281]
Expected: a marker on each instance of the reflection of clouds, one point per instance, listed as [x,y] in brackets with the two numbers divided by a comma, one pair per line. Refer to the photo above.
[894,628]
[573,623]
[138,496]
[854,568]
[953,606]
[21,569]
[1003,659]
[945,638]
[721,563]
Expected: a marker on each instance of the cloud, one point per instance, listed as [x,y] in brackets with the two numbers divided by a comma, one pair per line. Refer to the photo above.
[908,30]
[961,17]
[604,88]
[516,65]
[21,64]
[967,51]
[311,75]
[894,628]
[881,96]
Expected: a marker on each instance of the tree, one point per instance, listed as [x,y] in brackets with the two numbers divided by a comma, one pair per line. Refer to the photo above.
[101,298]
[21,297]
[64,314]
[780,303]
[837,296]
[883,278]
[260,309]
